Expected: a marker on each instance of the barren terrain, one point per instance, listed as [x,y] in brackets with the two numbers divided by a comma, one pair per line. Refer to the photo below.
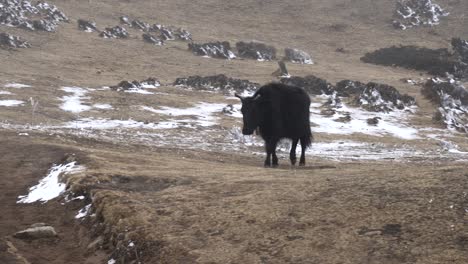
[165,174]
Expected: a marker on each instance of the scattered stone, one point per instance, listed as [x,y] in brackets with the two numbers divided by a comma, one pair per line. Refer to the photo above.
[328,112]
[452,100]
[412,13]
[391,229]
[115,32]
[38,225]
[373,121]
[183,34]
[217,83]
[298,56]
[311,84]
[256,50]
[10,41]
[125,20]
[18,13]
[229,109]
[383,98]
[166,33]
[213,49]
[36,232]
[85,25]
[152,39]
[282,72]
[126,85]
[344,119]
[140,25]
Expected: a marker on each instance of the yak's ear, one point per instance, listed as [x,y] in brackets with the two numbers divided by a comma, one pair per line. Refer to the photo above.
[238,96]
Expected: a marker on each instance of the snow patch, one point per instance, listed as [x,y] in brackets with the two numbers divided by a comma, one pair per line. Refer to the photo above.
[83,212]
[6,93]
[72,103]
[11,102]
[102,106]
[16,85]
[50,187]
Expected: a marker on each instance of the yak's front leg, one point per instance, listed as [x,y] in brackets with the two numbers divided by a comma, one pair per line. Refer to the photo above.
[270,147]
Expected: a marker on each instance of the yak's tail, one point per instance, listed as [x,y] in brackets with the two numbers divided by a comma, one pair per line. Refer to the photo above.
[307,139]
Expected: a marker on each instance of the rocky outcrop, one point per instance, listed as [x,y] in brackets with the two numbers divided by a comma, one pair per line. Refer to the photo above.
[22,13]
[412,13]
[451,97]
[85,25]
[255,50]
[115,32]
[217,83]
[126,85]
[9,41]
[221,50]
[152,39]
[311,84]
[298,56]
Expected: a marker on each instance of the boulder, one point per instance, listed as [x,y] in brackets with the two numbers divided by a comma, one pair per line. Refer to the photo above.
[255,50]
[125,20]
[412,13]
[88,26]
[451,98]
[115,32]
[36,233]
[10,41]
[218,49]
[311,84]
[152,39]
[298,56]
[217,83]
[137,24]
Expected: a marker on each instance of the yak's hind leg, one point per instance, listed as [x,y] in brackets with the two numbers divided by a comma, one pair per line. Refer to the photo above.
[271,159]
[303,149]
[292,154]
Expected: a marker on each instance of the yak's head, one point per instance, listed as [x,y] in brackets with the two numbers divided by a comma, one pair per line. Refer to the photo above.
[251,113]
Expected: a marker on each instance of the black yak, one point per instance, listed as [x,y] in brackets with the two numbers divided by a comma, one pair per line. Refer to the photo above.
[278,111]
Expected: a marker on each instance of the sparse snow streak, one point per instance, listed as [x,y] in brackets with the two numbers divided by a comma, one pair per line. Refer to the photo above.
[10,102]
[16,85]
[49,187]
[72,103]
[5,92]
[83,212]
[102,124]
[102,106]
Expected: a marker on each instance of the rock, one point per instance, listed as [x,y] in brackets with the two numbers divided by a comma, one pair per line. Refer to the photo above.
[96,244]
[44,25]
[218,49]
[38,225]
[344,119]
[166,33]
[218,83]
[152,39]
[140,25]
[88,26]
[125,20]
[183,34]
[412,13]
[328,112]
[256,50]
[115,32]
[228,109]
[126,85]
[383,98]
[10,41]
[18,13]
[373,121]
[298,56]
[451,97]
[311,84]
[36,232]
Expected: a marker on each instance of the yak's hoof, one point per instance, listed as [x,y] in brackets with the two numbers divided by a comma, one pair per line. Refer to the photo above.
[302,164]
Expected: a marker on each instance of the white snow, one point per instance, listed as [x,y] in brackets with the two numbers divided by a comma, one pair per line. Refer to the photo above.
[49,187]
[203,113]
[72,103]
[6,93]
[102,106]
[138,90]
[111,261]
[83,212]
[16,85]
[11,102]
[102,124]
[392,123]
